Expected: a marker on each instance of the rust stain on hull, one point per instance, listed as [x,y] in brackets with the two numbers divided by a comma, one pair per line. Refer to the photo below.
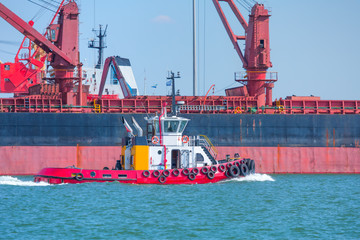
[25,160]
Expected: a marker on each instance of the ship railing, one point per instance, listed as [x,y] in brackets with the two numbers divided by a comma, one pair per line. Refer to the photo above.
[204,141]
[200,108]
[268,76]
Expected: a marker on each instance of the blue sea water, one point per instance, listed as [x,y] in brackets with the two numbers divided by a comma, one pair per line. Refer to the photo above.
[256,207]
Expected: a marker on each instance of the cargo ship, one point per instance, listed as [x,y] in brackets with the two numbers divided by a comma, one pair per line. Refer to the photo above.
[54,121]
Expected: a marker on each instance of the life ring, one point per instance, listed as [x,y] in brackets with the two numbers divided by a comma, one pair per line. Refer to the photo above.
[195,171]
[166,173]
[176,172]
[79,176]
[155,140]
[186,172]
[192,176]
[234,171]
[156,173]
[162,179]
[146,173]
[204,170]
[244,170]
[210,175]
[237,110]
[222,168]
[213,169]
[185,139]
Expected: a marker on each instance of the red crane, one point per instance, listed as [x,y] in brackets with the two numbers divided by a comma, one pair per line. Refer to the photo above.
[28,68]
[256,59]
[62,47]
[111,61]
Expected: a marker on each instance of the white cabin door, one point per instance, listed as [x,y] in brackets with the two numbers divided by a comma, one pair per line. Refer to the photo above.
[185,159]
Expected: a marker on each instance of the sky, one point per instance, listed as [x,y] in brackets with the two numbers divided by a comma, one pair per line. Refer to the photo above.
[314,44]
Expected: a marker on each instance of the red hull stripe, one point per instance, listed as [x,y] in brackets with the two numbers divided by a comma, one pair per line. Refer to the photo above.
[29,160]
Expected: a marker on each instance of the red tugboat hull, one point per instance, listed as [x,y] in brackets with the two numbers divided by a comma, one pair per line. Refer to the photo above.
[199,175]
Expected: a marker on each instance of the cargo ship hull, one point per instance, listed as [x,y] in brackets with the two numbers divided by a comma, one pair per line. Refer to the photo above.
[279,143]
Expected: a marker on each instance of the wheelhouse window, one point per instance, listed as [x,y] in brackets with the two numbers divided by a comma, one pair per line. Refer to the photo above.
[171,126]
[182,126]
[7,67]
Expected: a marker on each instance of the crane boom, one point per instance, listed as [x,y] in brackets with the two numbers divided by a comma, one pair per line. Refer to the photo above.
[32,34]
[233,37]
[124,87]
[256,58]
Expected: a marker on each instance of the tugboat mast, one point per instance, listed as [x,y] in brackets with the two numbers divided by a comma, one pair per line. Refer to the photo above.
[172,78]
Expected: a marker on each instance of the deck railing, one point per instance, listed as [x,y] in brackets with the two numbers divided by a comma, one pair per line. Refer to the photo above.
[204,141]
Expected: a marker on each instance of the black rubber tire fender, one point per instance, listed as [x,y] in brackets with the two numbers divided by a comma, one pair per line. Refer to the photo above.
[146,173]
[176,172]
[79,176]
[252,166]
[191,176]
[156,173]
[162,179]
[186,172]
[195,171]
[228,165]
[244,170]
[210,175]
[166,173]
[222,168]
[234,171]
[213,169]
[204,170]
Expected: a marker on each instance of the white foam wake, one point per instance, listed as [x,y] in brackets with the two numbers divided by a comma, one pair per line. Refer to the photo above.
[257,177]
[8,180]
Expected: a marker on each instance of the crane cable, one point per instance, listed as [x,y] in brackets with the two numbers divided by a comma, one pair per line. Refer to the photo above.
[247,4]
[41,6]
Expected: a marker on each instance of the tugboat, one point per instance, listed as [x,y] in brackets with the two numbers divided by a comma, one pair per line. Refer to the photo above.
[164,156]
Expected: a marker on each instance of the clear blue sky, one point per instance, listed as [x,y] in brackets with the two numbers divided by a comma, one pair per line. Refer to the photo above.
[315,44]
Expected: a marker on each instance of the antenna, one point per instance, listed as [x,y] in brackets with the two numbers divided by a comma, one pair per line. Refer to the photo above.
[172,78]
[100,45]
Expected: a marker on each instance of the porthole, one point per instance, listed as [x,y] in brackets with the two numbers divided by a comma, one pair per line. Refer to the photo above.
[159,152]
[93,174]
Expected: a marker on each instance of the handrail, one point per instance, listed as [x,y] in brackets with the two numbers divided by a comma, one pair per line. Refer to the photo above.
[210,146]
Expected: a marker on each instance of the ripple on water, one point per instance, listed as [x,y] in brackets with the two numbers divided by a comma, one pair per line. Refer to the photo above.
[255,207]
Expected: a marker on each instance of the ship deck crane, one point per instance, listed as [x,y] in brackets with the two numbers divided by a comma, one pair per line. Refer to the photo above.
[111,62]
[256,58]
[62,46]
[28,67]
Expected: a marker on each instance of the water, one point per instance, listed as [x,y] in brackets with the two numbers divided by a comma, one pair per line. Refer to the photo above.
[256,207]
